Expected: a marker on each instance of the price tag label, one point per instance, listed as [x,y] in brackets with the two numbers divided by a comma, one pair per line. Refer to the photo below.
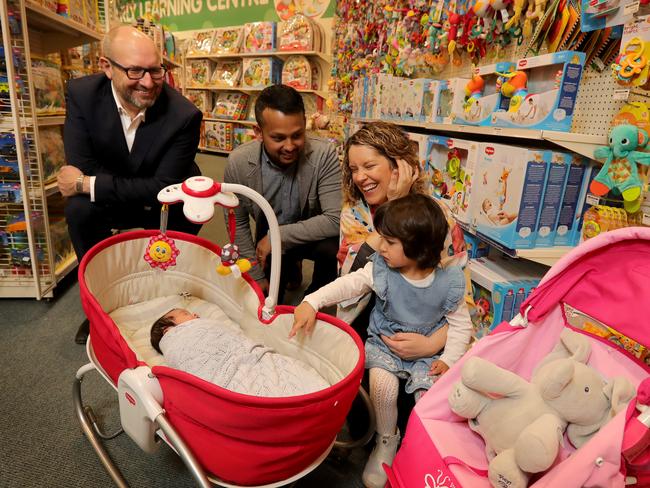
[621,94]
[592,200]
[646,219]
[631,8]
[497,130]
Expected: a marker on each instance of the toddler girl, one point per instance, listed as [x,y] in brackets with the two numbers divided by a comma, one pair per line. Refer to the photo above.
[414,294]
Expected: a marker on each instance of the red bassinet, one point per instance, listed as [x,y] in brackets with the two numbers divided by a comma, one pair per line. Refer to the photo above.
[241,439]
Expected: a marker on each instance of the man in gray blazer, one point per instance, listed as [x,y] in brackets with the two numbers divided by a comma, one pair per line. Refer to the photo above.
[300,177]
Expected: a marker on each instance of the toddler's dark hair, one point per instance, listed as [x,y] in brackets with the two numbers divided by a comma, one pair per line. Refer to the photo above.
[420,225]
[158,330]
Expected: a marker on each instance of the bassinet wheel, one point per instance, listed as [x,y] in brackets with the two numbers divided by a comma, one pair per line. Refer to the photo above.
[362,441]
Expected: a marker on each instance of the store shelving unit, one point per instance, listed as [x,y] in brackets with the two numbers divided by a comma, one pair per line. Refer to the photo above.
[583,144]
[28,261]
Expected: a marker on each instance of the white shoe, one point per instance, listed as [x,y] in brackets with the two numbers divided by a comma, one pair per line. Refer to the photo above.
[374,475]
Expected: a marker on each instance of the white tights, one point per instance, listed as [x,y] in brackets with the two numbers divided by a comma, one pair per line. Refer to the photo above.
[384,387]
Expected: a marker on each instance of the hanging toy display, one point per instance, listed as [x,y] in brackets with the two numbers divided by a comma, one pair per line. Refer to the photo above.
[631,63]
[619,171]
[161,251]
[231,261]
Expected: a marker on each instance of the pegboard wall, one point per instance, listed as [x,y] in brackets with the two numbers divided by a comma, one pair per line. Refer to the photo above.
[595,105]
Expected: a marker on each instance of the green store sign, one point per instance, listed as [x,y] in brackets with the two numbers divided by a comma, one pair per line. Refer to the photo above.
[179,15]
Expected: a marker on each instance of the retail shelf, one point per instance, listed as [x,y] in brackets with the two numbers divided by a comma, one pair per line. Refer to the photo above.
[280,54]
[583,144]
[213,150]
[321,94]
[61,32]
[45,120]
[241,122]
[547,256]
[64,267]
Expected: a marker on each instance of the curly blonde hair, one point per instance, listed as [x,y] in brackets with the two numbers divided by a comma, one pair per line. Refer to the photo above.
[390,141]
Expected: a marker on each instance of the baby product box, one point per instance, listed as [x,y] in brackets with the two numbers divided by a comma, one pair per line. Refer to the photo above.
[481,95]
[413,98]
[476,248]
[494,298]
[422,141]
[452,99]
[508,188]
[545,98]
[553,193]
[432,101]
[261,72]
[450,168]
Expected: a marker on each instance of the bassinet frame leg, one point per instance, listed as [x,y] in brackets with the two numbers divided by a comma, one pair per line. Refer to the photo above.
[90,433]
[371,425]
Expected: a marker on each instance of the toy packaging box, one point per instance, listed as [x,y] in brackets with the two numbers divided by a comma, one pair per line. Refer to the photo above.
[297,72]
[508,188]
[432,108]
[227,40]
[201,98]
[259,37]
[452,99]
[548,99]
[544,233]
[242,135]
[261,72]
[198,72]
[505,284]
[481,95]
[230,105]
[422,141]
[298,33]
[476,248]
[218,135]
[226,74]
[564,170]
[450,168]
[201,44]
[575,192]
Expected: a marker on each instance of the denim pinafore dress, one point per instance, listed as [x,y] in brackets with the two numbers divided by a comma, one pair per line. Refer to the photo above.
[403,307]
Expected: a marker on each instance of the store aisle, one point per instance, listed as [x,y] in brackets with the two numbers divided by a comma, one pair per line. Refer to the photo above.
[41,444]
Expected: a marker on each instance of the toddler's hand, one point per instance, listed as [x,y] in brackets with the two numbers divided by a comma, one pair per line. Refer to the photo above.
[438,368]
[304,316]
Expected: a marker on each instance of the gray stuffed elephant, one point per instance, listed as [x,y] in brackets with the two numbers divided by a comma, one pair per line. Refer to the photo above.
[523,422]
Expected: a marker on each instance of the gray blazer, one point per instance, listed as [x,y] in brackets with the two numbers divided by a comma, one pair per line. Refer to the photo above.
[319,180]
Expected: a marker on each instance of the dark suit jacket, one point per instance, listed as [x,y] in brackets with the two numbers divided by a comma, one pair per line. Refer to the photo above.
[163,150]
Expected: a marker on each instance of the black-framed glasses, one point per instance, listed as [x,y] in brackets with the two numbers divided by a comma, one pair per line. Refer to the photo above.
[137,73]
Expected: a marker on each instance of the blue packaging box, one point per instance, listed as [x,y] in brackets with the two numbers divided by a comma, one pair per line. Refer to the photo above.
[552,89]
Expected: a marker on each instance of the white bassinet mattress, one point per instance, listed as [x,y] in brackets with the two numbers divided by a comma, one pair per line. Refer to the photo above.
[134,323]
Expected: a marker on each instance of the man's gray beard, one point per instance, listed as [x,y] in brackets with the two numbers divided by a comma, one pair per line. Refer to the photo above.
[141,104]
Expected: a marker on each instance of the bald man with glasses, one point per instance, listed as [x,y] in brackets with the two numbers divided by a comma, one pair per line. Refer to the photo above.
[127,135]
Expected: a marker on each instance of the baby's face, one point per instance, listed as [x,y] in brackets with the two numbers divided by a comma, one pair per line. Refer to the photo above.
[180,315]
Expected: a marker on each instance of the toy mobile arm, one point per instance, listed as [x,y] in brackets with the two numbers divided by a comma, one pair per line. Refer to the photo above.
[200,194]
[276,242]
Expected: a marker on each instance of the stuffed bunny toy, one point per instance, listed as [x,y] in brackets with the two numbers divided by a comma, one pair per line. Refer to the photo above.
[523,422]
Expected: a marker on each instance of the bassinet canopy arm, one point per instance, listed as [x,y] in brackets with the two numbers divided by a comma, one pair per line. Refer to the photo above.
[200,194]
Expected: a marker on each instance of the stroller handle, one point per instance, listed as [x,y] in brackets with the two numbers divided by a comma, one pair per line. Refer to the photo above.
[200,194]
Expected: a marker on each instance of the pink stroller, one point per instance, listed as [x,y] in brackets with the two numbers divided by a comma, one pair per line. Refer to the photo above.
[223,437]
[604,282]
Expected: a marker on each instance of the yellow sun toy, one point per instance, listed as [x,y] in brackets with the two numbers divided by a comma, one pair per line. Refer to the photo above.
[161,252]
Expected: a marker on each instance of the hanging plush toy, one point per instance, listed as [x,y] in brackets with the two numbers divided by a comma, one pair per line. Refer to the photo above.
[619,172]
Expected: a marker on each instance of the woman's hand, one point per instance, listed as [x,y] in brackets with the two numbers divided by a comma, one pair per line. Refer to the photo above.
[401,180]
[410,346]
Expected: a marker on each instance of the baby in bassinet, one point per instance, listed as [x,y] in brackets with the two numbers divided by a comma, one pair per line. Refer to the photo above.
[228,358]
